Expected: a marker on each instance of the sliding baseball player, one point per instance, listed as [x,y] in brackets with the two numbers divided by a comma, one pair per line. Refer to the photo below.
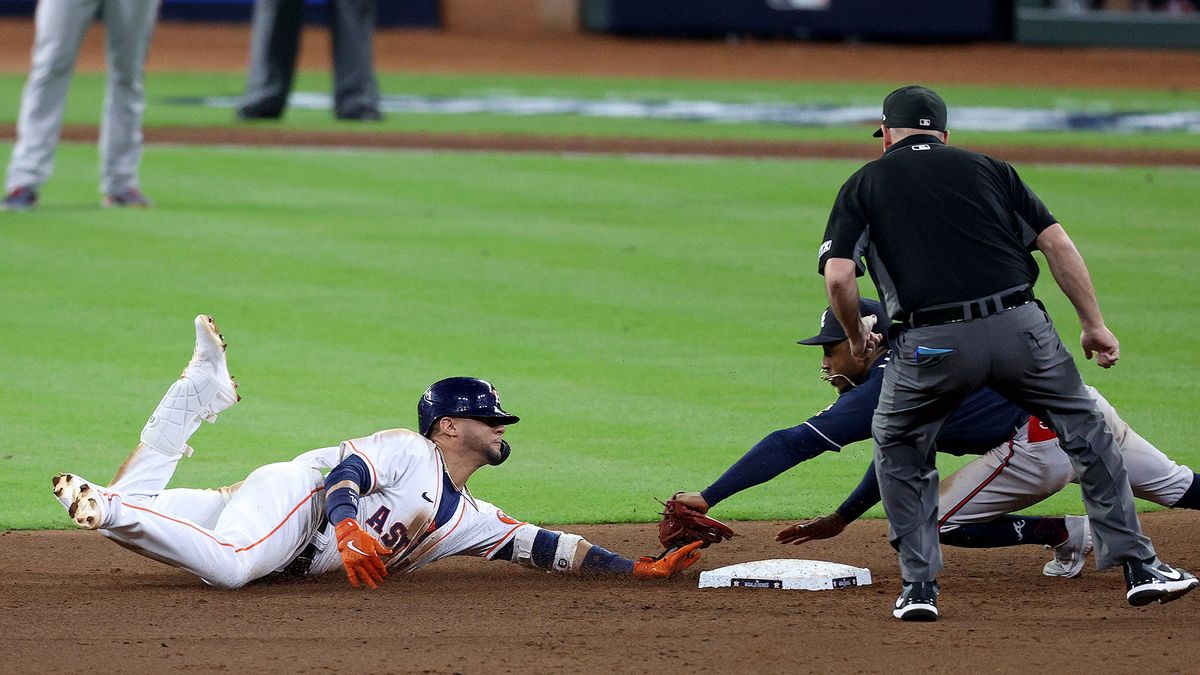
[392,501]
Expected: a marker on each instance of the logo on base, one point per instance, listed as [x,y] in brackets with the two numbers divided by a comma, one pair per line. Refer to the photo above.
[845,582]
[756,583]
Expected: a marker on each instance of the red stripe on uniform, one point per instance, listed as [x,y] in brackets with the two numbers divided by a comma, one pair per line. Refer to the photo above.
[225,543]
[502,540]
[987,481]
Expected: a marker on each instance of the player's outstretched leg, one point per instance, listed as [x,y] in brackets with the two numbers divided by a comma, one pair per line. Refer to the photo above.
[204,389]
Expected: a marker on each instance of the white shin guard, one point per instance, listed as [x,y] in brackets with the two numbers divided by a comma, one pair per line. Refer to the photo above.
[179,413]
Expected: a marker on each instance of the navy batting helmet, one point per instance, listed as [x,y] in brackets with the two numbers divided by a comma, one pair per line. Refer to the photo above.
[460,397]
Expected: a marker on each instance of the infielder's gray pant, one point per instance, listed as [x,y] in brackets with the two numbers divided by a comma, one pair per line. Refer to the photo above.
[60,27]
[275,43]
[1018,353]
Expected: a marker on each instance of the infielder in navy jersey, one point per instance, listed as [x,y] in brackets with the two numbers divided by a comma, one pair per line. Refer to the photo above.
[394,500]
[1014,470]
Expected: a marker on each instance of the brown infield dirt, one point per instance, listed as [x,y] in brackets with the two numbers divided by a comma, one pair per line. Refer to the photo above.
[73,600]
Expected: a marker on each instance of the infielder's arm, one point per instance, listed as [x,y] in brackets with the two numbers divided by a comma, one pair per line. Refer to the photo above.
[864,496]
[776,453]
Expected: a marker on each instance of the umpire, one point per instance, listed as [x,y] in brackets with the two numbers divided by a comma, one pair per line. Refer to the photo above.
[946,235]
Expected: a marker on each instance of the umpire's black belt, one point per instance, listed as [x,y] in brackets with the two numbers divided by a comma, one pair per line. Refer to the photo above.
[971,309]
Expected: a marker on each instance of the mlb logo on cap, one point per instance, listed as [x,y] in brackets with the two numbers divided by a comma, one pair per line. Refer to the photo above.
[913,107]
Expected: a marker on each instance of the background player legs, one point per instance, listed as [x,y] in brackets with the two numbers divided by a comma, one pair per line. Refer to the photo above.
[60,27]
[1034,370]
[129,25]
[356,91]
[274,46]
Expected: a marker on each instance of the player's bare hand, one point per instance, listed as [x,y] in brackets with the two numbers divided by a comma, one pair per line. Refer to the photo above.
[670,564]
[692,500]
[1101,342]
[361,554]
[825,527]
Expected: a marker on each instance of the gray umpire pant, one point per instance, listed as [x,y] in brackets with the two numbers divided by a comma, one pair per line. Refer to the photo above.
[59,29]
[1017,353]
[275,44]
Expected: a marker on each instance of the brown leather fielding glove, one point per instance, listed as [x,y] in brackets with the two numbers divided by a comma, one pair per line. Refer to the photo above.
[682,525]
[669,564]
[360,554]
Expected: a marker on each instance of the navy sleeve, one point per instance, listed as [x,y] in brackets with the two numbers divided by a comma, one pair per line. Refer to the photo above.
[602,560]
[778,452]
[862,498]
[847,421]
[342,503]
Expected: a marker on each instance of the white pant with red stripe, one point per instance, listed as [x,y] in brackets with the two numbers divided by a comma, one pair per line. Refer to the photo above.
[227,537]
[1021,473]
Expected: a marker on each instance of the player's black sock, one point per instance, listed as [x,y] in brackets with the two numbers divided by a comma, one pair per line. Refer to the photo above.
[1008,531]
[1191,498]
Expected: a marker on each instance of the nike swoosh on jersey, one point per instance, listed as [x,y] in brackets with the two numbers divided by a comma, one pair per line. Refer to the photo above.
[425,496]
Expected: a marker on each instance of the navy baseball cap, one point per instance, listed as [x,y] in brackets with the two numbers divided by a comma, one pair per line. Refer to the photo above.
[831,328]
[913,107]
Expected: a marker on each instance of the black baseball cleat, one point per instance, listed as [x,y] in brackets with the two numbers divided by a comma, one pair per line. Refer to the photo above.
[917,602]
[259,111]
[1148,581]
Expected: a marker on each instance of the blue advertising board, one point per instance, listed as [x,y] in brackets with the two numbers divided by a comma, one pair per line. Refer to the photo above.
[895,20]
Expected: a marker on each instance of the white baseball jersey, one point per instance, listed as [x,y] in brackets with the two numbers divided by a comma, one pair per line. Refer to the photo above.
[414,508]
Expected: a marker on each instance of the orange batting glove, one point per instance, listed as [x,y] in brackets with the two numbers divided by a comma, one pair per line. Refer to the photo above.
[360,554]
[670,564]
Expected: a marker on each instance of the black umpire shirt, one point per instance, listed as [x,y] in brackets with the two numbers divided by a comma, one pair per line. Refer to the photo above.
[937,224]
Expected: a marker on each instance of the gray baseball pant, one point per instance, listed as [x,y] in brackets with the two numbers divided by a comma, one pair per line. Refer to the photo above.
[275,44]
[1019,354]
[59,29]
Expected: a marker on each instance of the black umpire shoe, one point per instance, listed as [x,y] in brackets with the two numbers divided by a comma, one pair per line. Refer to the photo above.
[364,114]
[917,601]
[259,111]
[1152,580]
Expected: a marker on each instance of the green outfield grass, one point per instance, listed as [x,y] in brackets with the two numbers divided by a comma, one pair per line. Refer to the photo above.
[87,94]
[638,314]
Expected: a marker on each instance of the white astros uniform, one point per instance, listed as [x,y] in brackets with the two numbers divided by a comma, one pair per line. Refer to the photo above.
[232,536]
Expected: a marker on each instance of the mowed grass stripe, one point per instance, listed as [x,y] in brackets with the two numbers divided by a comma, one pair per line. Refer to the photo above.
[638,314]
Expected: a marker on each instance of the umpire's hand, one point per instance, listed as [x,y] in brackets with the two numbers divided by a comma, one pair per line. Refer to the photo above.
[1101,342]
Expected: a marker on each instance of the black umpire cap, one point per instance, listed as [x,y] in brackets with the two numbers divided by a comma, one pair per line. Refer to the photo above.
[831,328]
[913,107]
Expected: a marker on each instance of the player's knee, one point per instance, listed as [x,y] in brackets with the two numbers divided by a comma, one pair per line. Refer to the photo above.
[230,576]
